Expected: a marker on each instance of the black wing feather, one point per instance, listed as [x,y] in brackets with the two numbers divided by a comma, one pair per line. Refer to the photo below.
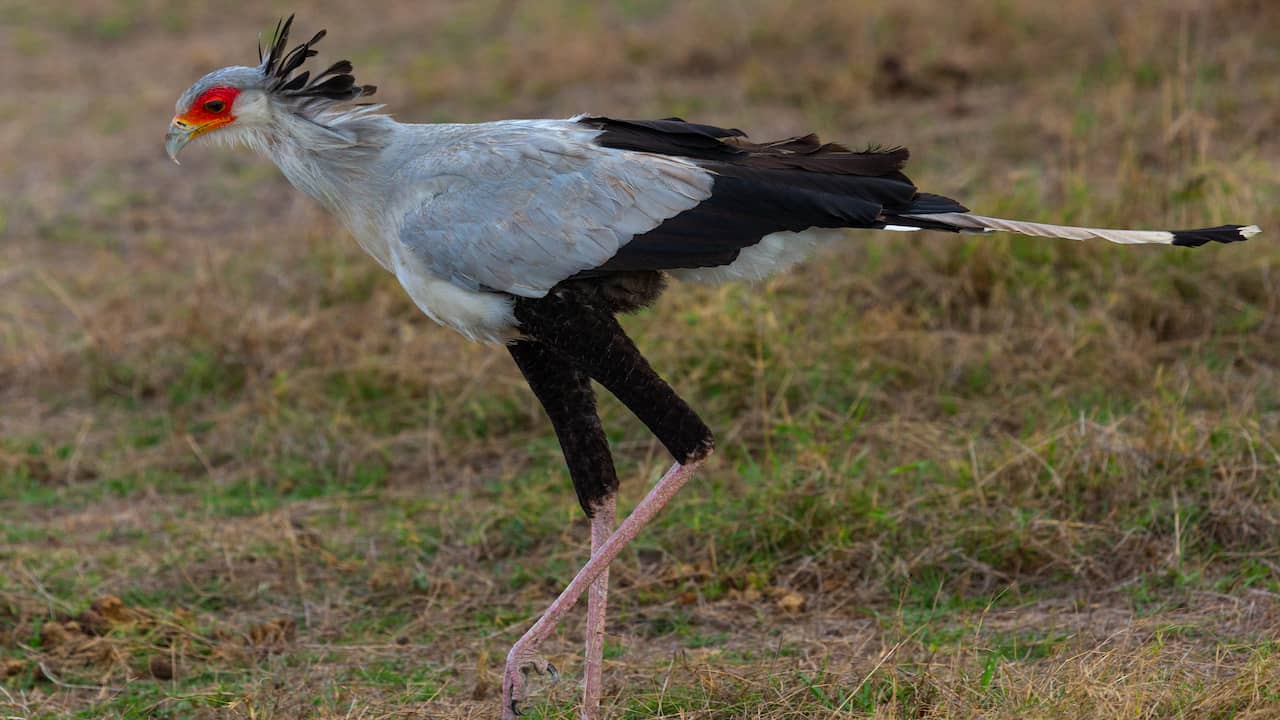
[759,189]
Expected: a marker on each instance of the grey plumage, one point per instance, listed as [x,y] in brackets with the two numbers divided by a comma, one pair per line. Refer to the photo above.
[520,206]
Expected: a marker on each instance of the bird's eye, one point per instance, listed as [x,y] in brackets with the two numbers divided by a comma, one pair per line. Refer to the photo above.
[215,106]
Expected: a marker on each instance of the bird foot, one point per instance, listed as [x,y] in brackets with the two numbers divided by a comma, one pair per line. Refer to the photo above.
[520,664]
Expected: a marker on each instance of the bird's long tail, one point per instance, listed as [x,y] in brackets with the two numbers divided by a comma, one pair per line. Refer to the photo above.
[966,222]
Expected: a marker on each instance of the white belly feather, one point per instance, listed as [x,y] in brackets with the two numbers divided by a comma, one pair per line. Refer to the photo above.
[479,315]
[489,317]
[774,253]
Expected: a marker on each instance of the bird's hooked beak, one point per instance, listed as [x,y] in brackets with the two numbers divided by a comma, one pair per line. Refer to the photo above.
[180,133]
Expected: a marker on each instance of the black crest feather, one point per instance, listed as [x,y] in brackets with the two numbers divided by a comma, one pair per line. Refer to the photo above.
[336,83]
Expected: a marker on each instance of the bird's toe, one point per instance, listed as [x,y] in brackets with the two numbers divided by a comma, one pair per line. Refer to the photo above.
[516,681]
[540,666]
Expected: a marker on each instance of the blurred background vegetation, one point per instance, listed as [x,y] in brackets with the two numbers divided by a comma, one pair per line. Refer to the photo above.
[241,476]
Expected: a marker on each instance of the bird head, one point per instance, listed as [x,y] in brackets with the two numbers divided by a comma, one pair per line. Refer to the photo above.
[240,104]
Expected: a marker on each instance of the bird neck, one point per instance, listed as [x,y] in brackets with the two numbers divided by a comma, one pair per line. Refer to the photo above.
[328,156]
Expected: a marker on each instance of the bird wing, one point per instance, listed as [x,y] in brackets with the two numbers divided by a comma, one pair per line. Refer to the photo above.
[784,186]
[520,206]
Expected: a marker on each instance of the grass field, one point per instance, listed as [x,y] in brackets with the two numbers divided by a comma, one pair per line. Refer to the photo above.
[241,476]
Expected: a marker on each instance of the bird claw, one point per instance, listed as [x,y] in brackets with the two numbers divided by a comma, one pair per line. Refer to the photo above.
[516,678]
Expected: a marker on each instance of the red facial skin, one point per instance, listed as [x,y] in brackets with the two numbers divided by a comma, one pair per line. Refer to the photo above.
[201,119]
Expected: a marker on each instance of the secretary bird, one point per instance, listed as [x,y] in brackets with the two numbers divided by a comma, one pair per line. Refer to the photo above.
[535,234]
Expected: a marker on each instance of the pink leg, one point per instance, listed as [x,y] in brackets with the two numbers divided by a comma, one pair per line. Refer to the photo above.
[524,654]
[597,603]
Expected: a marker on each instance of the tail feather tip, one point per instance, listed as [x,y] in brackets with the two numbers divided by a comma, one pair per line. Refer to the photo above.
[1222,234]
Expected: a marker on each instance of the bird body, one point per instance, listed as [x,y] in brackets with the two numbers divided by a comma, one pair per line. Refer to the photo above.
[470,216]
[537,233]
[467,216]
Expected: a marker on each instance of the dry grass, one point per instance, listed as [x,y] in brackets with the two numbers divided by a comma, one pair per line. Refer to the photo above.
[240,476]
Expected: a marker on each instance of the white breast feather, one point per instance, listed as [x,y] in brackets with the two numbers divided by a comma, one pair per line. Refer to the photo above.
[478,315]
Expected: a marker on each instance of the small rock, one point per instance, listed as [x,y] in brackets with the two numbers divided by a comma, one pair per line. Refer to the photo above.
[791,601]
[111,608]
[93,623]
[53,634]
[161,668]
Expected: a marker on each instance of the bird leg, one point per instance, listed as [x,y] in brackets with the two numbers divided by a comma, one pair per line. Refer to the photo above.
[566,395]
[567,333]
[589,337]
[597,603]
[526,647]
